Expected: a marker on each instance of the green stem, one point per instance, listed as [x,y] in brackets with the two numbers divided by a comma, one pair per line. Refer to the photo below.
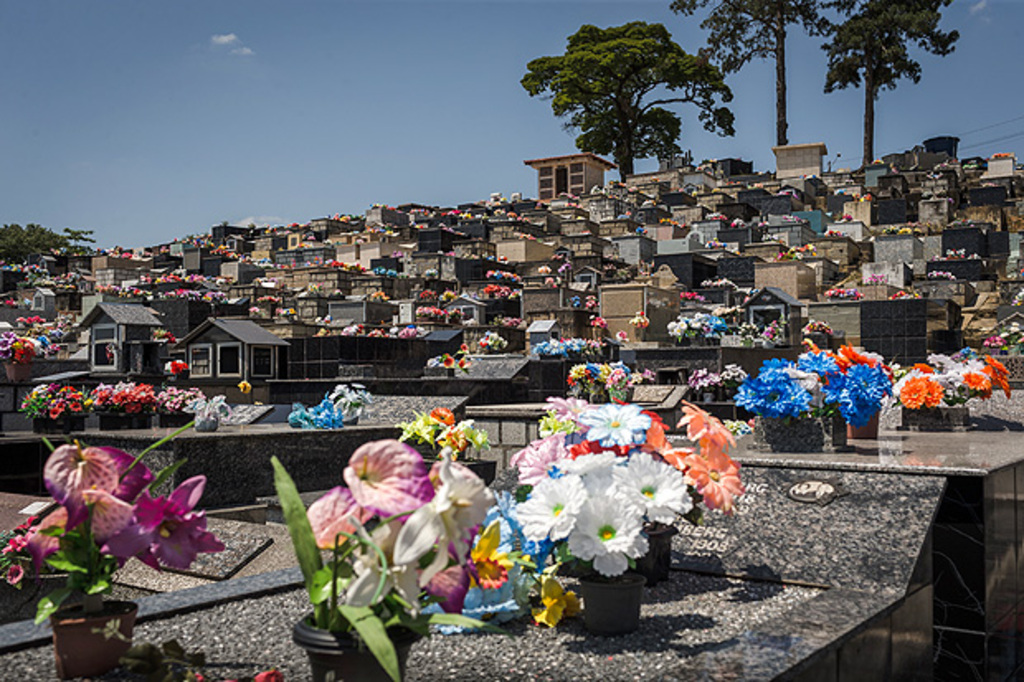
[334,589]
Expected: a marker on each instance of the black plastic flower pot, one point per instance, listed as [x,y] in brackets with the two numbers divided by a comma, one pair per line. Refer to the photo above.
[337,656]
[117,421]
[173,420]
[61,425]
[656,564]
[611,606]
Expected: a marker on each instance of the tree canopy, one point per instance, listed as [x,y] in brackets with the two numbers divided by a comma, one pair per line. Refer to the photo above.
[743,30]
[872,47]
[611,85]
[17,242]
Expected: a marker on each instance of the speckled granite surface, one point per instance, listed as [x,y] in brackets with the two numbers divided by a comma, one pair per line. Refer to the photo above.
[867,538]
[692,627]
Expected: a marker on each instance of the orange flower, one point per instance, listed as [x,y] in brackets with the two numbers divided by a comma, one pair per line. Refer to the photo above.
[920,392]
[704,429]
[978,382]
[848,356]
[998,373]
[717,478]
[443,415]
[923,368]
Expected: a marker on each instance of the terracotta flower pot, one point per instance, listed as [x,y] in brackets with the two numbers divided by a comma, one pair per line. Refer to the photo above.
[867,432]
[611,606]
[85,646]
[340,656]
[18,371]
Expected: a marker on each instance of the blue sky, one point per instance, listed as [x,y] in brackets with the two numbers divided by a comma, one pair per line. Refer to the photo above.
[144,121]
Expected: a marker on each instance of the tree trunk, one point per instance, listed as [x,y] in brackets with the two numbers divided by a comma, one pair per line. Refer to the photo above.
[781,124]
[869,114]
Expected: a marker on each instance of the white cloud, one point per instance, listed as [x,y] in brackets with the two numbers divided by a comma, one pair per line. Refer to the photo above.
[232,39]
[260,221]
[979,6]
[243,51]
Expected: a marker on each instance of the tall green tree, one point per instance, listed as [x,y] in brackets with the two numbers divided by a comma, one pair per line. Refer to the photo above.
[872,47]
[17,242]
[79,240]
[740,31]
[611,84]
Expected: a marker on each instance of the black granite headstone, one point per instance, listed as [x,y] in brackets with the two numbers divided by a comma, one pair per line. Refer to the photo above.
[813,526]
[970,239]
[891,211]
[987,196]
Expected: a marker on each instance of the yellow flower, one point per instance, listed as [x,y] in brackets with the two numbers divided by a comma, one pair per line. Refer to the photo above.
[491,565]
[244,387]
[557,603]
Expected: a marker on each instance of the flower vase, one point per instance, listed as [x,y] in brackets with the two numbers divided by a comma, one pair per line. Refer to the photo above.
[656,564]
[350,420]
[801,434]
[117,421]
[88,645]
[611,606]
[341,656]
[18,372]
[207,425]
[957,418]
[66,423]
[867,432]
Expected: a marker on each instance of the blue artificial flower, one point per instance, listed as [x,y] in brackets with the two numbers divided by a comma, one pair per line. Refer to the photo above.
[858,393]
[819,363]
[773,392]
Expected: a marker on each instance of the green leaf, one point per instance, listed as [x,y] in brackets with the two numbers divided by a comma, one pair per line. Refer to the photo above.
[143,659]
[65,565]
[46,441]
[100,586]
[523,492]
[49,604]
[301,532]
[371,631]
[463,621]
[320,590]
[164,474]
[173,649]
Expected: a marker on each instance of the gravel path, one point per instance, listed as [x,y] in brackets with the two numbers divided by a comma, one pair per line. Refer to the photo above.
[681,618]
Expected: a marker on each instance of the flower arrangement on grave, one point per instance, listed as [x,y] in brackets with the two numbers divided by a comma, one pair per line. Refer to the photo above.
[379,297]
[428,295]
[52,401]
[732,376]
[175,367]
[797,253]
[704,381]
[16,350]
[569,347]
[841,294]
[210,412]
[1012,338]
[720,283]
[897,230]
[941,274]
[692,297]
[834,233]
[598,381]
[15,556]
[995,342]
[950,381]
[820,384]
[492,342]
[439,431]
[697,325]
[324,416]
[351,400]
[399,537]
[900,295]
[503,276]
[640,320]
[355,329]
[594,491]
[748,333]
[774,332]
[431,273]
[432,313]
[818,327]
[956,254]
[508,322]
[125,397]
[598,322]
[460,360]
[173,400]
[410,332]
[714,244]
[1018,299]
[109,513]
[874,280]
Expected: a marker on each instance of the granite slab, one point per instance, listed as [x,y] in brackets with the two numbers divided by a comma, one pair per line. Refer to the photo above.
[855,530]
[392,409]
[496,368]
[242,543]
[248,414]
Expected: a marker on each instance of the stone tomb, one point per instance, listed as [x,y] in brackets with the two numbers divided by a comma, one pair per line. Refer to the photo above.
[865,536]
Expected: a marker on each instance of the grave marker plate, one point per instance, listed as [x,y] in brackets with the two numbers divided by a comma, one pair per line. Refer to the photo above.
[248,414]
[869,533]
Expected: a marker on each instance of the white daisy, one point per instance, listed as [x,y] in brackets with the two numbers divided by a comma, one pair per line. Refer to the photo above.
[656,487]
[585,464]
[552,508]
[607,532]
